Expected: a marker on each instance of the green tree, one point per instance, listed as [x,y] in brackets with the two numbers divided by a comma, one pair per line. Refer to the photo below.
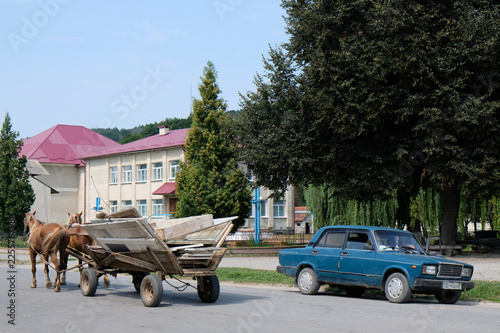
[16,193]
[393,97]
[209,180]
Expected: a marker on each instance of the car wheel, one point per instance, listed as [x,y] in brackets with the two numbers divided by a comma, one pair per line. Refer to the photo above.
[354,291]
[448,296]
[307,282]
[397,288]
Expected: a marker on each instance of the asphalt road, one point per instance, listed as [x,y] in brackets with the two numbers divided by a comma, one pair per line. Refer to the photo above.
[239,309]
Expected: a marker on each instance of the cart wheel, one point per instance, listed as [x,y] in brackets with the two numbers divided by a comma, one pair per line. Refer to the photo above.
[137,279]
[151,290]
[208,288]
[88,282]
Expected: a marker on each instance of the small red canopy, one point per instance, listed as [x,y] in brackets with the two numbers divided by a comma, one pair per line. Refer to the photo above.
[167,188]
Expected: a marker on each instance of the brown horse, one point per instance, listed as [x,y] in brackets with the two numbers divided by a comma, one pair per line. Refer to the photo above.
[78,239]
[46,240]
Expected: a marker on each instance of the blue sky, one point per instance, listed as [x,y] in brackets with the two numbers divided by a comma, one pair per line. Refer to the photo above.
[122,63]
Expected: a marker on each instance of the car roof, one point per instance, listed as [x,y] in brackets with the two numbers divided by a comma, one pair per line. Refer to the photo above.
[364,227]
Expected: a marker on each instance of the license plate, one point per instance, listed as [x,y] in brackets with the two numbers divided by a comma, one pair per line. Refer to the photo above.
[452,285]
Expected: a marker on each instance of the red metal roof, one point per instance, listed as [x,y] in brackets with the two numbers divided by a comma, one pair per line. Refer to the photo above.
[65,144]
[167,188]
[174,138]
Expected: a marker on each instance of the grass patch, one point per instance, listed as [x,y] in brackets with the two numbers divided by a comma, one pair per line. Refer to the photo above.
[253,276]
[483,291]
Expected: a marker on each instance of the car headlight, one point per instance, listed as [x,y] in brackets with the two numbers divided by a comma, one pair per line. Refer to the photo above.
[430,270]
[466,272]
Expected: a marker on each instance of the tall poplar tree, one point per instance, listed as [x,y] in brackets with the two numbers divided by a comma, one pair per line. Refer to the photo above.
[16,193]
[209,180]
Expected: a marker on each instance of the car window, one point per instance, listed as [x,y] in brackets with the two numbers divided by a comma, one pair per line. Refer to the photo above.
[389,240]
[358,240]
[332,239]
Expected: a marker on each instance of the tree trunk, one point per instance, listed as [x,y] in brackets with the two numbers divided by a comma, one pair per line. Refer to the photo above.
[451,206]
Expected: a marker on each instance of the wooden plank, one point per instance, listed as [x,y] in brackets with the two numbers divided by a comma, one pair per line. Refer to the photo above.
[218,255]
[128,244]
[192,272]
[114,260]
[177,228]
[209,236]
[224,234]
[126,236]
[126,213]
[179,248]
[224,220]
[120,229]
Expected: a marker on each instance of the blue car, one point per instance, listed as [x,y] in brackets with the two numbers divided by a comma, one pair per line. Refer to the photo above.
[360,258]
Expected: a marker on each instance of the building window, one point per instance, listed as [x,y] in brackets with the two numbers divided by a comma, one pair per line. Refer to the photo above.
[126,204]
[113,175]
[113,206]
[158,171]
[263,206]
[142,207]
[142,173]
[157,207]
[127,174]
[279,208]
[263,211]
[174,168]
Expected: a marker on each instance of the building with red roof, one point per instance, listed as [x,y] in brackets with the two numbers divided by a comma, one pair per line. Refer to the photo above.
[59,151]
[89,172]
[138,174]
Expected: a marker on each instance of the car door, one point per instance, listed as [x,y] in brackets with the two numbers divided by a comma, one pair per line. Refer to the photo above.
[357,260]
[326,255]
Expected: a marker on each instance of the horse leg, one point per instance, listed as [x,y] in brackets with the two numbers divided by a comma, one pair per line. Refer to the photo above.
[80,269]
[33,267]
[106,281]
[48,284]
[63,267]
[57,265]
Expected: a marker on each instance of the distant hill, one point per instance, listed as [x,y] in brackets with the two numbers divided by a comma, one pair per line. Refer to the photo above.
[142,131]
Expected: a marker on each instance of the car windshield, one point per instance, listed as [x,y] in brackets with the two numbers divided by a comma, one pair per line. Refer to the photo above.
[389,240]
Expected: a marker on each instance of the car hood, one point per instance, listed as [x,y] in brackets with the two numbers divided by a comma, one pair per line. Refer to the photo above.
[425,259]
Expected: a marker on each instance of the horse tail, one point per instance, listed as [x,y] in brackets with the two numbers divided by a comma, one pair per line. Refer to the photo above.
[55,240]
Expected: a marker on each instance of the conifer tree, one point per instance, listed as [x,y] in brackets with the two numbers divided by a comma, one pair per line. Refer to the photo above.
[209,180]
[16,193]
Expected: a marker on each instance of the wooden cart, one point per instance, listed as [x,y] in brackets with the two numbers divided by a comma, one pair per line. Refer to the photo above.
[132,246]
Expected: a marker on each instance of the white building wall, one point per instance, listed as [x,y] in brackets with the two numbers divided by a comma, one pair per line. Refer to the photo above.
[64,178]
[98,169]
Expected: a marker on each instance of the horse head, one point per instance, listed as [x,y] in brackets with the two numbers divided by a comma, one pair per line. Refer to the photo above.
[29,220]
[75,218]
